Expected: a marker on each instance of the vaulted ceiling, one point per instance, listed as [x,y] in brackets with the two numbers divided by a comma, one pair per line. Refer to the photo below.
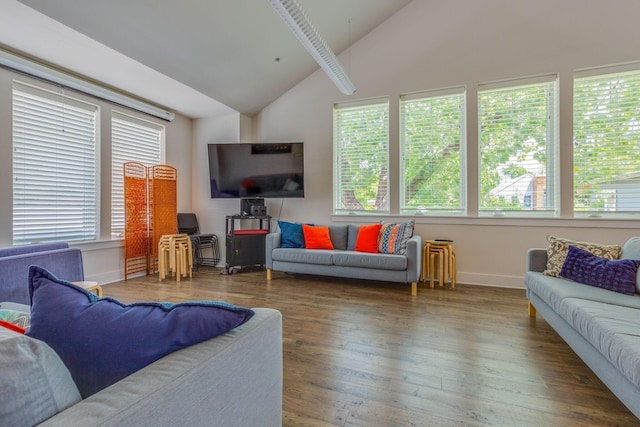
[236,53]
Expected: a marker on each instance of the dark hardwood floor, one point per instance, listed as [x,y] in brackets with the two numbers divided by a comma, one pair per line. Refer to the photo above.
[361,353]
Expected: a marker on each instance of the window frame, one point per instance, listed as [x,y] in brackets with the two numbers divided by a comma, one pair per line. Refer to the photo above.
[77,200]
[136,126]
[339,156]
[552,146]
[459,92]
[601,74]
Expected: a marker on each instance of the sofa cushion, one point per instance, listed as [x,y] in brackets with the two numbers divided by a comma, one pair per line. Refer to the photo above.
[393,237]
[559,247]
[307,256]
[368,260]
[554,290]
[291,235]
[352,236]
[316,237]
[34,384]
[339,236]
[631,250]
[615,275]
[612,329]
[102,340]
[367,240]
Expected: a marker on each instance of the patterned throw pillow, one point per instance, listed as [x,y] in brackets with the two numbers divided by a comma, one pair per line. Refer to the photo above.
[584,267]
[559,247]
[393,237]
[15,317]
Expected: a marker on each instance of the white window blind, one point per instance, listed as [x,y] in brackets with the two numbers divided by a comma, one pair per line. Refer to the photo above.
[518,147]
[54,167]
[606,143]
[132,140]
[432,144]
[361,157]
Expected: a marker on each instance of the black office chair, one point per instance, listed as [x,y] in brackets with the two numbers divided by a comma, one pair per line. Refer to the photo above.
[188,224]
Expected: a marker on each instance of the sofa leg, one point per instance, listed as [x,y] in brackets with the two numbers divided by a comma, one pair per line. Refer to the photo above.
[532,310]
[268,274]
[414,289]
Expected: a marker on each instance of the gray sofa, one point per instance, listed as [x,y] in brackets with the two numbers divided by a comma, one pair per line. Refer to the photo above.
[601,326]
[232,379]
[344,261]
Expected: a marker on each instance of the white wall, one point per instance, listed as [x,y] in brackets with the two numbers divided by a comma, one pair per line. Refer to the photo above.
[104,258]
[437,44]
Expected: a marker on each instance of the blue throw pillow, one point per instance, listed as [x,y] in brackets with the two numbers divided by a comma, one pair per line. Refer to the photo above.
[584,267]
[102,341]
[292,236]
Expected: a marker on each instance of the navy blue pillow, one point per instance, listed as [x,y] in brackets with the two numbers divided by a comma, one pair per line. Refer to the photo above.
[292,236]
[102,341]
[584,267]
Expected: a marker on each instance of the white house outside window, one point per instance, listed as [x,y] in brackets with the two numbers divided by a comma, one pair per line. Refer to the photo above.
[55,196]
[518,133]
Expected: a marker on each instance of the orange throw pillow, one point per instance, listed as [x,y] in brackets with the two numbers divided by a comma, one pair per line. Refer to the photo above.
[316,237]
[367,240]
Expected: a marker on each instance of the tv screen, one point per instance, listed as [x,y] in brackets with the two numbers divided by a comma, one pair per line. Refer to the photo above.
[256,170]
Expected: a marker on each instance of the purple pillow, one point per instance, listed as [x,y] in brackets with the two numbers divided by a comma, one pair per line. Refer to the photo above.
[584,267]
[102,341]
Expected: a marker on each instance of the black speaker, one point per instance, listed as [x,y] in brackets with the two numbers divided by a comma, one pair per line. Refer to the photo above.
[258,210]
[247,205]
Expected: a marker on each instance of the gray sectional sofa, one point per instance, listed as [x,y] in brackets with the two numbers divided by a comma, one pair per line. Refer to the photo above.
[601,326]
[344,261]
[232,379]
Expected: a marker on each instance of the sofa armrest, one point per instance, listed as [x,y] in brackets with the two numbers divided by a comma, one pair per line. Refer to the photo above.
[537,259]
[66,264]
[414,258]
[234,379]
[271,242]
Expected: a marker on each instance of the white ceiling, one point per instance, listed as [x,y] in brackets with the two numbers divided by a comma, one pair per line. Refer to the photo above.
[193,56]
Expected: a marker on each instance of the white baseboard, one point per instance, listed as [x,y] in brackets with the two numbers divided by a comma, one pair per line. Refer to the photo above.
[498,281]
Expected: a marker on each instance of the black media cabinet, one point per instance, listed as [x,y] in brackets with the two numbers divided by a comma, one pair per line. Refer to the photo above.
[245,246]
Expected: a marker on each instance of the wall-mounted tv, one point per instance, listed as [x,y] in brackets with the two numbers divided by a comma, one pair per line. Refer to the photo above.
[256,170]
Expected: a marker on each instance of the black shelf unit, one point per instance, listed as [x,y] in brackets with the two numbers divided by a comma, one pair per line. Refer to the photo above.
[245,246]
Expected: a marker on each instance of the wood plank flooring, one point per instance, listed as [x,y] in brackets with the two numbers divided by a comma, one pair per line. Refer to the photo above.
[362,353]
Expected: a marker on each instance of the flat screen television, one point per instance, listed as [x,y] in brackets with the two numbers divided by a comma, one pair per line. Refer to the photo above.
[269,170]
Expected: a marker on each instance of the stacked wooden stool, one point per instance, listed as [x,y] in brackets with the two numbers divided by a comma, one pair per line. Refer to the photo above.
[175,255]
[439,262]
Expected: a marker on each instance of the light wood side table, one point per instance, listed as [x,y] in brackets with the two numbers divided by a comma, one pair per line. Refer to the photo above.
[90,286]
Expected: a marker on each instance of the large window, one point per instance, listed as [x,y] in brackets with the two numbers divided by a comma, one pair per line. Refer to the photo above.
[606,143]
[132,140]
[432,146]
[518,133]
[361,157]
[55,193]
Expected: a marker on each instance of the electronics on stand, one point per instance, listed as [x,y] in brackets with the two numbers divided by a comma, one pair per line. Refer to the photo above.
[253,207]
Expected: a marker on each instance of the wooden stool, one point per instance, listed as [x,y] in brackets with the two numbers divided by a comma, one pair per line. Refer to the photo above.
[439,262]
[175,255]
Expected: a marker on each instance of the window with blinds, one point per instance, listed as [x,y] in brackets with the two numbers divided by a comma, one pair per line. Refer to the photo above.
[606,143]
[518,136]
[55,193]
[132,140]
[361,157]
[432,147]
